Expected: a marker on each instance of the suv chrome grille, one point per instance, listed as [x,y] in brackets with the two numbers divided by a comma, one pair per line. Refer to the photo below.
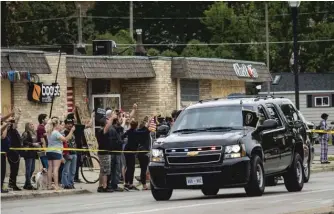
[200,159]
[194,155]
[191,149]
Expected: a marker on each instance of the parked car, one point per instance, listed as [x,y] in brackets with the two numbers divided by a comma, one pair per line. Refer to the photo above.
[222,143]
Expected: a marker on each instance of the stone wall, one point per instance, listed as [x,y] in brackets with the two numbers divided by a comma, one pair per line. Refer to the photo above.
[153,95]
[31,110]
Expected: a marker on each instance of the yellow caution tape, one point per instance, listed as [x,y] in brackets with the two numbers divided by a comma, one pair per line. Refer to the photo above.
[73,149]
[323,131]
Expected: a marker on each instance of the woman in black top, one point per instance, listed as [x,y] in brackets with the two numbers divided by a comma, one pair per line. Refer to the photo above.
[144,144]
[130,158]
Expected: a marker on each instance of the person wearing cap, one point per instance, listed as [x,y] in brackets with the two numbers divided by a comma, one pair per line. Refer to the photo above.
[324,138]
[70,157]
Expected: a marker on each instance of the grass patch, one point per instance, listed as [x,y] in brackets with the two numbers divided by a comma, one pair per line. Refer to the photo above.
[331,158]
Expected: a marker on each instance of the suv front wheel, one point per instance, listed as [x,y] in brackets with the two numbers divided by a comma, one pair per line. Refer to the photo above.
[294,177]
[161,194]
[256,183]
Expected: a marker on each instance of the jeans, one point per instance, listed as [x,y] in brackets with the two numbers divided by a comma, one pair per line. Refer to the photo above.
[14,163]
[3,169]
[44,160]
[30,168]
[115,171]
[70,166]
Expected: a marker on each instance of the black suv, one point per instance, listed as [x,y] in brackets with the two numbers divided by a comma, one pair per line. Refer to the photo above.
[244,142]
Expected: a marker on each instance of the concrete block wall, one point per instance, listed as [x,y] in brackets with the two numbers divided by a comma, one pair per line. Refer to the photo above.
[153,95]
[31,110]
[220,88]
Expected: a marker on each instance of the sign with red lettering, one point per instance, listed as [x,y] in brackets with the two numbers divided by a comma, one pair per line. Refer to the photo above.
[245,71]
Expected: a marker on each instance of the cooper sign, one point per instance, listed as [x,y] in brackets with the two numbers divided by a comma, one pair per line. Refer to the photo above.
[245,71]
[38,92]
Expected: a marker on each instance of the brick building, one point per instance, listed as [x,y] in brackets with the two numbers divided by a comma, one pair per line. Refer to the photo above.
[41,67]
[156,84]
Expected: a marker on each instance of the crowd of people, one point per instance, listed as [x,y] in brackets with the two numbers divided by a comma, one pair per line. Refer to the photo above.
[50,133]
[122,139]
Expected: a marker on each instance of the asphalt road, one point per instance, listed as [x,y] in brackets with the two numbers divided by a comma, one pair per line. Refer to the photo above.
[319,192]
[317,149]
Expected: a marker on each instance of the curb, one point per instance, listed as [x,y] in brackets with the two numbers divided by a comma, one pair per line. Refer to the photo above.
[10,197]
[322,169]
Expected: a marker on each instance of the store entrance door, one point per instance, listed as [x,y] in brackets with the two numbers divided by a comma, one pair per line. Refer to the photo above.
[104,101]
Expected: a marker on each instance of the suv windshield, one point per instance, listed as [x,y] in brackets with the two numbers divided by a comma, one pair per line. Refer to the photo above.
[209,118]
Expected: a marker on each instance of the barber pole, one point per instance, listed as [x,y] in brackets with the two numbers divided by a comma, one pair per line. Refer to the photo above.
[70,104]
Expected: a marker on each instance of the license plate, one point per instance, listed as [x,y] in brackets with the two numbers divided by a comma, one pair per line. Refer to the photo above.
[194,181]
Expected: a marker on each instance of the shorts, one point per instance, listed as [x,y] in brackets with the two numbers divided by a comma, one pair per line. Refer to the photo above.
[54,156]
[105,164]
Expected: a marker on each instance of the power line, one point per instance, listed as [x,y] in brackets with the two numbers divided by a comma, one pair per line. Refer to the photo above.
[156,18]
[183,44]
[42,20]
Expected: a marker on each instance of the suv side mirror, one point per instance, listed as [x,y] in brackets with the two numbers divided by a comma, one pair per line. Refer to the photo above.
[269,124]
[298,124]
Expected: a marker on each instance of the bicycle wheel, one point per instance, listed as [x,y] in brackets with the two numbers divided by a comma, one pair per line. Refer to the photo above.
[90,169]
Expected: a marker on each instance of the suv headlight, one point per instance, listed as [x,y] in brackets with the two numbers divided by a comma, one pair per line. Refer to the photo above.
[157,155]
[235,151]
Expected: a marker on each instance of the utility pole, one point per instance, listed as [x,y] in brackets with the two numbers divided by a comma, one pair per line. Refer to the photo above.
[131,19]
[267,43]
[79,27]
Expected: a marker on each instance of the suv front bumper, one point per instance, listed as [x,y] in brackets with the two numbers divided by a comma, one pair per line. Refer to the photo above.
[230,173]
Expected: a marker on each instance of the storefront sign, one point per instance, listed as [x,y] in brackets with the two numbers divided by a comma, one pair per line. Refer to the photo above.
[38,92]
[245,71]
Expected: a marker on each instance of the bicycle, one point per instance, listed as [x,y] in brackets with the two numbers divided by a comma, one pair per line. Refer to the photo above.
[89,167]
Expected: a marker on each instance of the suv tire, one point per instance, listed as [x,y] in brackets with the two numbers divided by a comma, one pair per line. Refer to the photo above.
[256,183]
[161,194]
[293,178]
[307,171]
[271,181]
[210,191]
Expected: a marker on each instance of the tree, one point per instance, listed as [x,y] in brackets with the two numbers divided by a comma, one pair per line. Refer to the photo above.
[153,52]
[236,22]
[169,53]
[120,38]
[42,23]
[155,31]
[197,49]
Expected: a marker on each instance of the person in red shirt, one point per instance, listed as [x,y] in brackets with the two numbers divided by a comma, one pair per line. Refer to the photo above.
[41,137]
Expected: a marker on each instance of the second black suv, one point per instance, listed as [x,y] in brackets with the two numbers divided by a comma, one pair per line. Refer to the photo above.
[231,143]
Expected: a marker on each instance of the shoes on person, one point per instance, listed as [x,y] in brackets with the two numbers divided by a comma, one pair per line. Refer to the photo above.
[101,189]
[68,187]
[118,189]
[29,187]
[77,181]
[14,187]
[4,191]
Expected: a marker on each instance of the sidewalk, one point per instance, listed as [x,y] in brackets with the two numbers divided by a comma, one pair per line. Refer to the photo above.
[81,188]
[318,167]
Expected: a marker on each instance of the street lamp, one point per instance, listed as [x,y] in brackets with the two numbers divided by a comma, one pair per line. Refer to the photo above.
[294,7]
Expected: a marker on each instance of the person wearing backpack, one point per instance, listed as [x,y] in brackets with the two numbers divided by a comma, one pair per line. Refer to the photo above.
[324,138]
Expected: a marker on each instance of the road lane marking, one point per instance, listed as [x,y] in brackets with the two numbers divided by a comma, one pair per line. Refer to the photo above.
[308,201]
[222,202]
